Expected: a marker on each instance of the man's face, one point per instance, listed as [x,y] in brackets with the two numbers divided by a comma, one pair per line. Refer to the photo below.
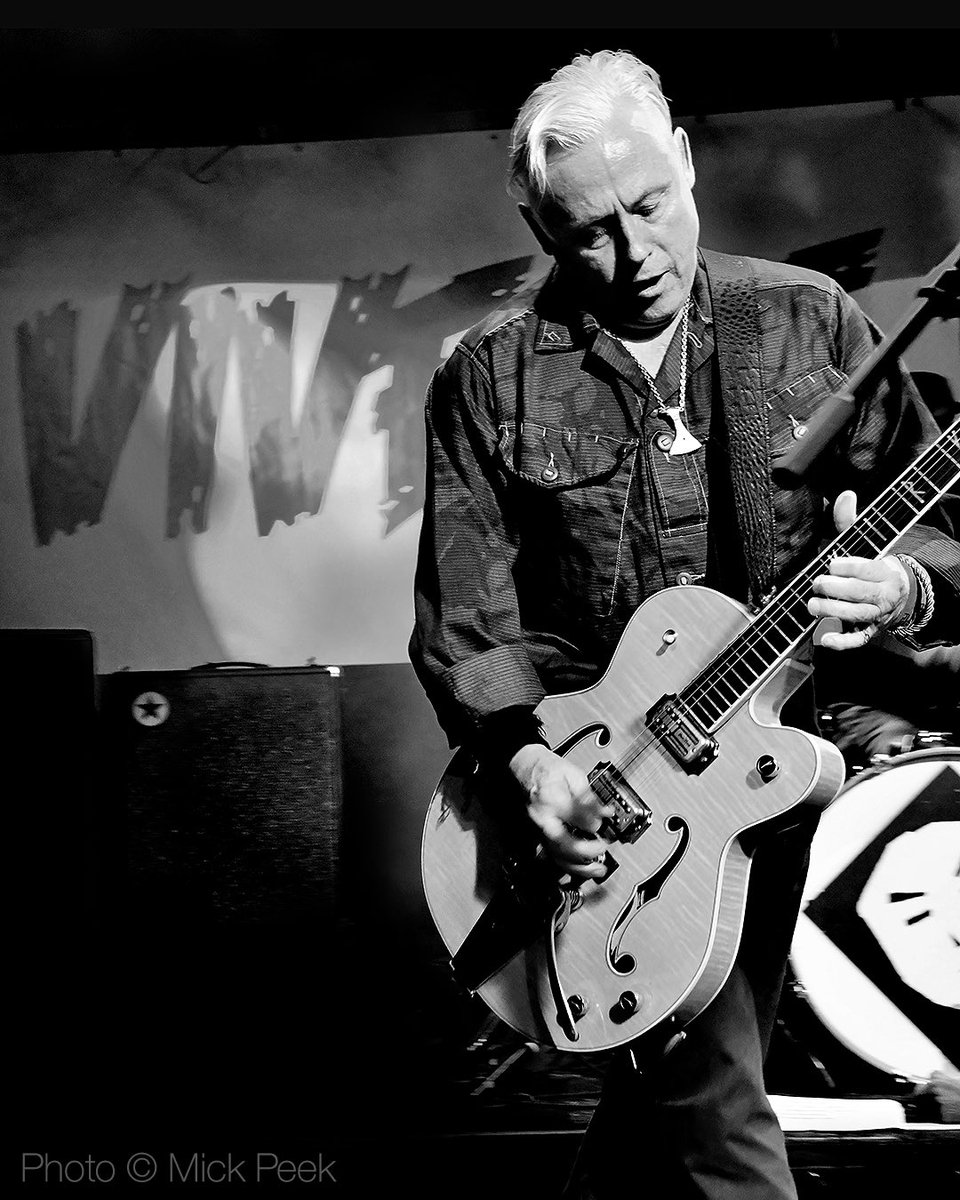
[620,219]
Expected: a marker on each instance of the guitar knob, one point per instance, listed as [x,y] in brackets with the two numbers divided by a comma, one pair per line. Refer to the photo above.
[767,767]
[578,1006]
[627,1005]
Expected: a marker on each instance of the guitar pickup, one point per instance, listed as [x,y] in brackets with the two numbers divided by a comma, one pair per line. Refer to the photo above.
[675,728]
[630,815]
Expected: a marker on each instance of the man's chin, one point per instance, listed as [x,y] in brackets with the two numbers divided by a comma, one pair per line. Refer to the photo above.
[648,323]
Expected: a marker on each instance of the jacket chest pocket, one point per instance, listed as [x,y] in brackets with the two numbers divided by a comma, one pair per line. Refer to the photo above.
[570,490]
[792,406]
[678,487]
[798,511]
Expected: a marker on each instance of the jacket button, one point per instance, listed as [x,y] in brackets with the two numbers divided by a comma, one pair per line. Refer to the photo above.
[684,578]
[664,441]
[549,474]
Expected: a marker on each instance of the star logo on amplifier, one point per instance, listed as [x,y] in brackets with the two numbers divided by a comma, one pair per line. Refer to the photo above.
[150,708]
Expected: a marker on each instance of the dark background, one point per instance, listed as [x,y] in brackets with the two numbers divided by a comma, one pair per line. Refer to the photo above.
[64,89]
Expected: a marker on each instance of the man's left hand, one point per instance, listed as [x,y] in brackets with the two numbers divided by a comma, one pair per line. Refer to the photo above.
[867,594]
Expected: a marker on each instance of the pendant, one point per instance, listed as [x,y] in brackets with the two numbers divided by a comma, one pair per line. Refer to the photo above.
[683,442]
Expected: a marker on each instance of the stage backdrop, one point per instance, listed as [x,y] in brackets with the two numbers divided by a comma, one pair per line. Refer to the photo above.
[212,362]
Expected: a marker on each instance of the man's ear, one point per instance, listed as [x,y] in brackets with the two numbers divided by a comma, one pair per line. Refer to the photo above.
[682,142]
[543,238]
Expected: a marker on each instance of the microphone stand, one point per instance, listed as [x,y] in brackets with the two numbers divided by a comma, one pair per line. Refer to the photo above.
[939,297]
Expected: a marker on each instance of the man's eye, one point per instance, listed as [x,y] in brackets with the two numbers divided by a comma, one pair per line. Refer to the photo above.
[649,207]
[591,238]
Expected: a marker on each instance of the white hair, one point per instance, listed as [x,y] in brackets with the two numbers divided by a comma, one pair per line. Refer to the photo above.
[570,108]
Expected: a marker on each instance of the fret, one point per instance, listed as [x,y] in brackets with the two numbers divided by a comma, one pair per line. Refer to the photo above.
[745,677]
[723,691]
[954,442]
[744,683]
[800,622]
[857,532]
[787,639]
[857,550]
[722,683]
[766,652]
[719,704]
[746,649]
[708,719]
[879,516]
[912,491]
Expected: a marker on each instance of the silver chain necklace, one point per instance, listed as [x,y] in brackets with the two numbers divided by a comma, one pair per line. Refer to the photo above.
[683,440]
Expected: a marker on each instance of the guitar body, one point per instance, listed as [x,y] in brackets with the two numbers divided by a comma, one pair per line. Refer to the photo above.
[665,924]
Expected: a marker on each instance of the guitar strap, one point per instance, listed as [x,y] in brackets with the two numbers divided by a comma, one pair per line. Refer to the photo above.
[736,324]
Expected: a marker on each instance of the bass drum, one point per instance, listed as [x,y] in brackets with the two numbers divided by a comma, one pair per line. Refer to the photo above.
[876,952]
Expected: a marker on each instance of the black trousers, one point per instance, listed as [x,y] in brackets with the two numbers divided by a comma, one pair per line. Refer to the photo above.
[697,1122]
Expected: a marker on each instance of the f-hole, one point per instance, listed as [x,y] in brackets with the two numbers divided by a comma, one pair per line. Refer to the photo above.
[597,728]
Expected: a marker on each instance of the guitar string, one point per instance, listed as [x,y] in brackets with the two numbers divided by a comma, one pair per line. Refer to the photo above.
[769,622]
[765,623]
[897,492]
[739,661]
[795,592]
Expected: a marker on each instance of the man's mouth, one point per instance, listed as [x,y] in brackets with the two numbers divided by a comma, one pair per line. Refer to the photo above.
[647,283]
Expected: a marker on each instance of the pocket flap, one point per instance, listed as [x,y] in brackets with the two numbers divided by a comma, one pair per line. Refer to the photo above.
[560,458]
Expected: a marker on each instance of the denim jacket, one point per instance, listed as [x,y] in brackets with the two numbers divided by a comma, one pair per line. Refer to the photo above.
[550,515]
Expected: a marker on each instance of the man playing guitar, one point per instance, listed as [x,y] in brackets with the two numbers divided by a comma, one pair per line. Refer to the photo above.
[608,435]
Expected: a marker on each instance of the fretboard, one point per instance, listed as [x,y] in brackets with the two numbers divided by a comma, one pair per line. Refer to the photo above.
[784,622]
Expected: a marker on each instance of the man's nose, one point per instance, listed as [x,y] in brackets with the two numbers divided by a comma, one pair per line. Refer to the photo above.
[635,239]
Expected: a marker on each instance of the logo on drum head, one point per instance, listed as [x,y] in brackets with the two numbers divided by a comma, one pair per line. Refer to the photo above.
[894,910]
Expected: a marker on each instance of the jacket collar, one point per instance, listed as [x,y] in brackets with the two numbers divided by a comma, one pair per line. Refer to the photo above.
[561,325]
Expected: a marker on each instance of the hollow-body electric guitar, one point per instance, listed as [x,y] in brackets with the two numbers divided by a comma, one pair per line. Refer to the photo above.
[681,737]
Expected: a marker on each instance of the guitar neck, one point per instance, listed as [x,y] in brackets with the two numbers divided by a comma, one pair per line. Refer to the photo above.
[784,622]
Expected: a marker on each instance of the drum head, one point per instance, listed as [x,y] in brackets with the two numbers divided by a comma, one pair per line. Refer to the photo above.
[877,945]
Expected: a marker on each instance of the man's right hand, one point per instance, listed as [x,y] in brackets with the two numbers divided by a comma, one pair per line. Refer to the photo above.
[563,807]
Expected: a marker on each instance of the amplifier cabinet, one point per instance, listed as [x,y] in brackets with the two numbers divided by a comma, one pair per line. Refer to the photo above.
[225,785]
